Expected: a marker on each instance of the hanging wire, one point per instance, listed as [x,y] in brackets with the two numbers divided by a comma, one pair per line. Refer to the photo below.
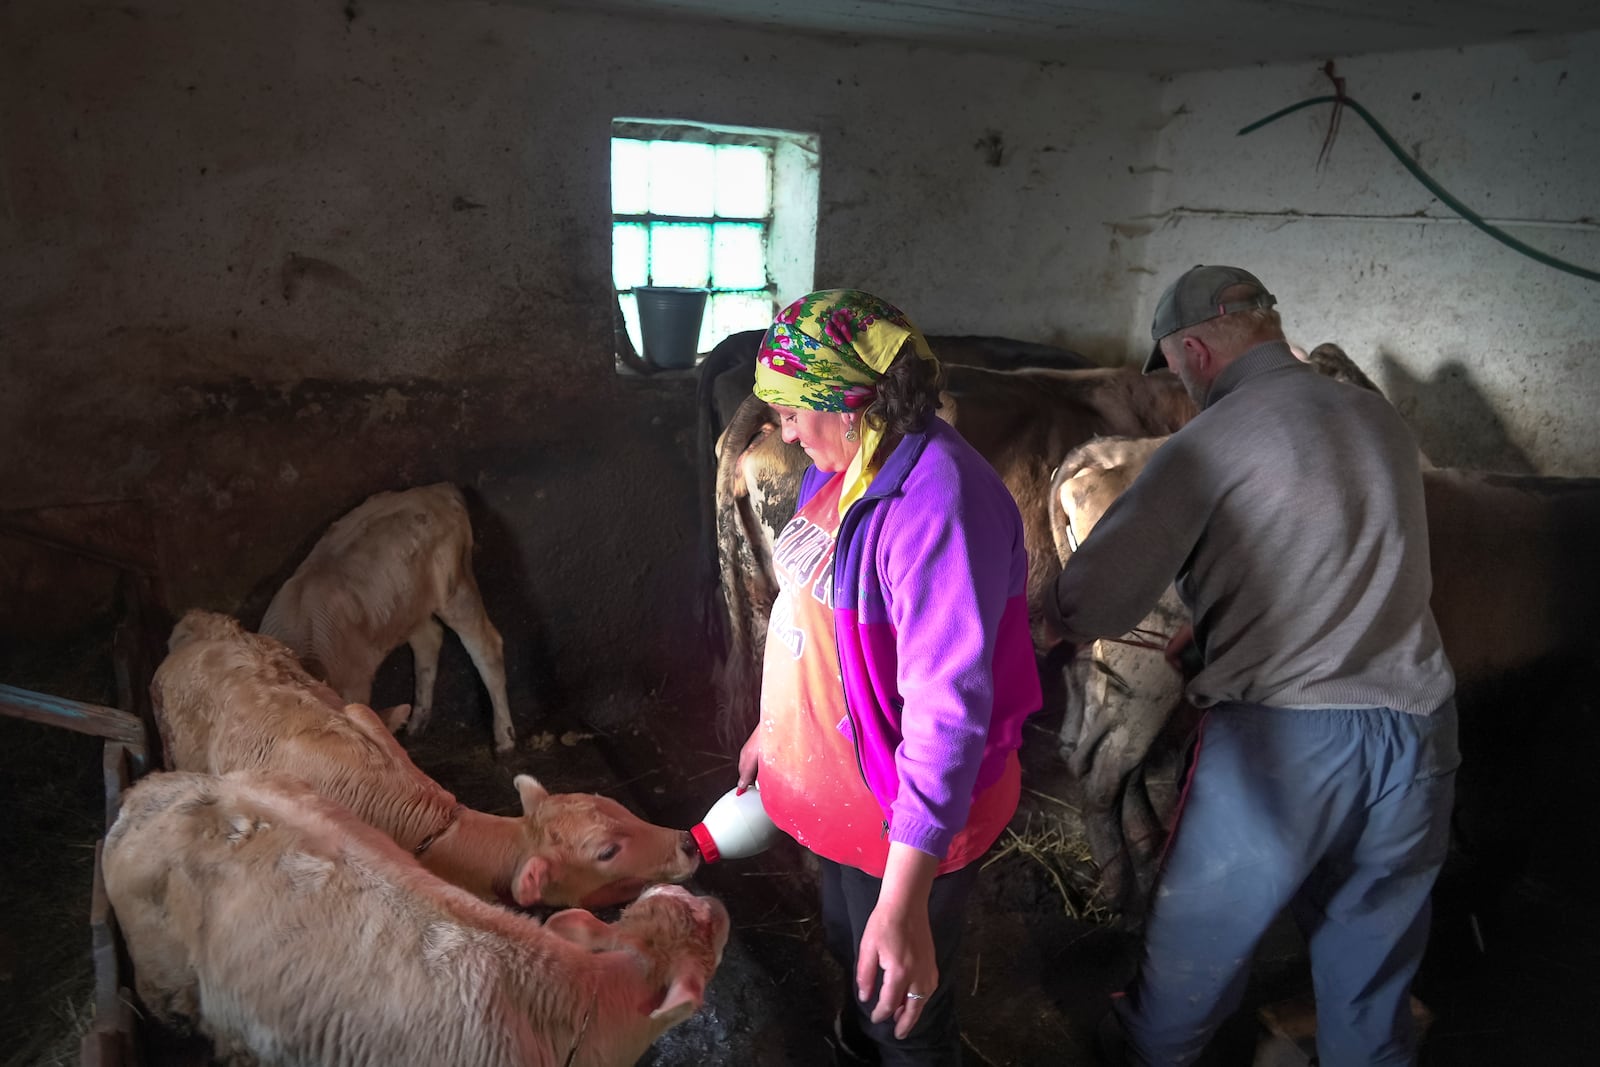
[1333,119]
[1432,186]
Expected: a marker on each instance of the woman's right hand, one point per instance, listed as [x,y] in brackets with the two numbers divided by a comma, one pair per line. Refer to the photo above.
[750,759]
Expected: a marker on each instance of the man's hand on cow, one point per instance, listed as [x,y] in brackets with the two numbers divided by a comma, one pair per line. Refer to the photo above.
[750,759]
[1181,650]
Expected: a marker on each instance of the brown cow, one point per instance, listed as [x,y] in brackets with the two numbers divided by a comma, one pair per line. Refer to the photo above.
[1021,421]
[289,932]
[385,575]
[726,377]
[227,699]
[1516,595]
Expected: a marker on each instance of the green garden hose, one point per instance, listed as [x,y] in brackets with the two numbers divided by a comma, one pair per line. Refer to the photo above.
[1432,186]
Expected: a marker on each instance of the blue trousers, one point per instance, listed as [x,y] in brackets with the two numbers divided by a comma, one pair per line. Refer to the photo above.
[1340,814]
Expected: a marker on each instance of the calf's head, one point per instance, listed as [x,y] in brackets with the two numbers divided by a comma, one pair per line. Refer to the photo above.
[585,850]
[674,938]
[198,624]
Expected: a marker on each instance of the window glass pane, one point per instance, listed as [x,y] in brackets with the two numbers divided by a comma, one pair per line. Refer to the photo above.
[630,254]
[731,312]
[630,176]
[682,178]
[680,253]
[702,185]
[738,255]
[630,315]
[744,188]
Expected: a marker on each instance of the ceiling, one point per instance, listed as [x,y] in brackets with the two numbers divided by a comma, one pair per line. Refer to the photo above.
[1149,35]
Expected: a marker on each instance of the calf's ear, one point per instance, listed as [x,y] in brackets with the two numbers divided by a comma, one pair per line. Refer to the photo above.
[532,881]
[326,693]
[582,928]
[532,793]
[395,717]
[685,993]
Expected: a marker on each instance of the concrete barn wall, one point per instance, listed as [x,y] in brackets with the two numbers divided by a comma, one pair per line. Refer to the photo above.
[258,261]
[1493,357]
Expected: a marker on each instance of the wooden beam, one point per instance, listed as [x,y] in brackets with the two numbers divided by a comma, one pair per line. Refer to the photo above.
[96,719]
[12,528]
[136,652]
[114,762]
[101,1048]
[103,945]
[110,1040]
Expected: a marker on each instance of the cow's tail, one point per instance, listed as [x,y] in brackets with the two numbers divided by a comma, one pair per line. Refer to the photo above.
[729,353]
[738,675]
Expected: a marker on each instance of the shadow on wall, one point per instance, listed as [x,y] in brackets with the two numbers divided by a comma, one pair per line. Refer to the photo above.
[1456,426]
[501,566]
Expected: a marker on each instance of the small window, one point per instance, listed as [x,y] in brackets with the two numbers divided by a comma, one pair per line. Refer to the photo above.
[726,209]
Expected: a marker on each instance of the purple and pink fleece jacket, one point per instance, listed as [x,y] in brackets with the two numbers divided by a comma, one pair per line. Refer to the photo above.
[931,615]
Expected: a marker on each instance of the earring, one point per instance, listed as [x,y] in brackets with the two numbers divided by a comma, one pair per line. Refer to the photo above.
[850,434]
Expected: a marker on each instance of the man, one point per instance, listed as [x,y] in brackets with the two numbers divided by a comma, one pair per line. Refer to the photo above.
[1290,511]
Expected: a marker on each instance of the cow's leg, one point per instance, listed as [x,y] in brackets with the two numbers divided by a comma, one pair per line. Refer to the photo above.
[1110,789]
[1083,735]
[1102,828]
[1074,687]
[1142,836]
[1126,704]
[463,612]
[395,718]
[1153,796]
[354,686]
[425,642]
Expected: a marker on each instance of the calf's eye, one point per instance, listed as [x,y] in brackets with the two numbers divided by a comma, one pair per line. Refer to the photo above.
[609,853]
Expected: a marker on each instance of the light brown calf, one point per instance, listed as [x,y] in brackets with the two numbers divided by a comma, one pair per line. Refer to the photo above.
[385,575]
[288,932]
[226,699]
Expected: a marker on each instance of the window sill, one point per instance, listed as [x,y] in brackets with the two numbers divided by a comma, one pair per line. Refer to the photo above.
[645,373]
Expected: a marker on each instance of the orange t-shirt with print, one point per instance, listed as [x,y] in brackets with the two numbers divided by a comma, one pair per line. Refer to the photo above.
[811,781]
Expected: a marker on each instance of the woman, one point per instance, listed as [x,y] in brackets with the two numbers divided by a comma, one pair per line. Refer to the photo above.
[898,667]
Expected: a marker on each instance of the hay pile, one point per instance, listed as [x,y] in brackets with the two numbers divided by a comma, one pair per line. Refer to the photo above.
[1052,837]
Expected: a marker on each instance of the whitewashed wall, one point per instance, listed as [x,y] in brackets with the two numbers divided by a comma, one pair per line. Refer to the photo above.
[205,205]
[422,187]
[1493,356]
[258,260]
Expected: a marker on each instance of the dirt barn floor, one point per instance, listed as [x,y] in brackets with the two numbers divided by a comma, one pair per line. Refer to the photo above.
[1035,970]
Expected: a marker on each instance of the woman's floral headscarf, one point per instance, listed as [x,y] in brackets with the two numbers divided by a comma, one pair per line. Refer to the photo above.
[826,352]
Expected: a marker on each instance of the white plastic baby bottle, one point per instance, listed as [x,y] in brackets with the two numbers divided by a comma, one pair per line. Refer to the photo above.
[736,826]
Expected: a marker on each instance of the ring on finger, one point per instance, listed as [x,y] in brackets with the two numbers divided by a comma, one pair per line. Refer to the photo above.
[916,996]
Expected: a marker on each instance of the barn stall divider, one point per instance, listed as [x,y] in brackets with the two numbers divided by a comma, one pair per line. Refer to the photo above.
[131,746]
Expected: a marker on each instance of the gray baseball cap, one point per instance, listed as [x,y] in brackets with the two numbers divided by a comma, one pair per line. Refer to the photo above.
[1195,297]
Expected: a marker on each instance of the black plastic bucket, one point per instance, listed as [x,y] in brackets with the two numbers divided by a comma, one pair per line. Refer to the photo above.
[669,324]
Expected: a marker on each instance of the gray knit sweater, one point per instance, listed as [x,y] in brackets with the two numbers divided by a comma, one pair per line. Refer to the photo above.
[1290,509]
